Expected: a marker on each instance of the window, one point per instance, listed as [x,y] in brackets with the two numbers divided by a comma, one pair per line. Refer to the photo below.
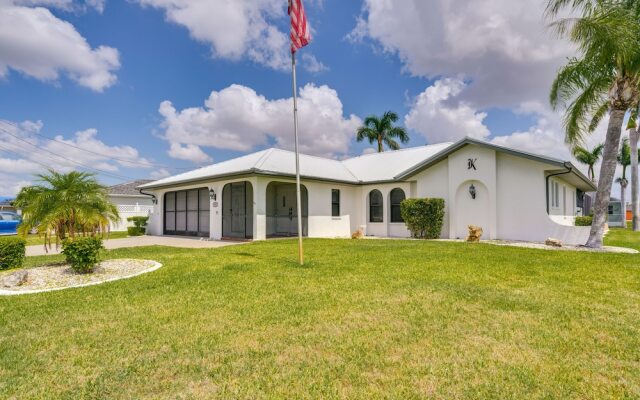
[396,197]
[335,203]
[555,194]
[375,206]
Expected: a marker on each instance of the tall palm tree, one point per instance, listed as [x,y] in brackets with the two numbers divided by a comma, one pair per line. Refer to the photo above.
[381,130]
[589,158]
[64,205]
[634,134]
[605,78]
[624,159]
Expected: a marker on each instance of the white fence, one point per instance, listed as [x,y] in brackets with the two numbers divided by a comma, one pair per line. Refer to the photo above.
[130,210]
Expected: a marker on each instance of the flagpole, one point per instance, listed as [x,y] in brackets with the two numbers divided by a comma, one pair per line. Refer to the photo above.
[295,133]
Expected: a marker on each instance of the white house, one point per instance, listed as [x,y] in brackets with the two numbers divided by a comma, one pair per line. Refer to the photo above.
[130,202]
[511,194]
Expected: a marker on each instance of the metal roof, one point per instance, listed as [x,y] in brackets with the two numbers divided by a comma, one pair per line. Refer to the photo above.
[388,166]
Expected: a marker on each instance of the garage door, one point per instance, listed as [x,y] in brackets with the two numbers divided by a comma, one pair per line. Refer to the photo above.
[186,212]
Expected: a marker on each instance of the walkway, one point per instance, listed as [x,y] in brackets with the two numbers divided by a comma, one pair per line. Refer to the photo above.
[138,241]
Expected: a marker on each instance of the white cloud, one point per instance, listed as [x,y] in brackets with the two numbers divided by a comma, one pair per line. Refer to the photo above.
[38,44]
[189,152]
[160,173]
[24,153]
[438,120]
[238,118]
[65,5]
[234,29]
[502,47]
[311,64]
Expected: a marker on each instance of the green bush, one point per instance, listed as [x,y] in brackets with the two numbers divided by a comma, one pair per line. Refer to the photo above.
[139,226]
[584,221]
[82,253]
[12,252]
[135,231]
[423,217]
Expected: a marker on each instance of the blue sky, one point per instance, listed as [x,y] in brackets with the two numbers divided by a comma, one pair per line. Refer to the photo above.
[372,59]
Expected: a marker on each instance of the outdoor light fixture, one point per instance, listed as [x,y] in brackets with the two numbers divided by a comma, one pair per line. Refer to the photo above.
[212,194]
[154,200]
[472,191]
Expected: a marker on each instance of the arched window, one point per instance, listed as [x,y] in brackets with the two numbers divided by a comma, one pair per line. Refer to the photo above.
[375,206]
[395,198]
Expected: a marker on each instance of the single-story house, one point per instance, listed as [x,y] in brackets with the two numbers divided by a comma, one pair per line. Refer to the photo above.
[130,202]
[7,205]
[510,193]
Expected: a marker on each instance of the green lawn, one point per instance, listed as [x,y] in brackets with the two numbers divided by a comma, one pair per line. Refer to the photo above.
[364,319]
[36,239]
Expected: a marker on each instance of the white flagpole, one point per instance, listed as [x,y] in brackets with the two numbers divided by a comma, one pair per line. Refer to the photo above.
[295,133]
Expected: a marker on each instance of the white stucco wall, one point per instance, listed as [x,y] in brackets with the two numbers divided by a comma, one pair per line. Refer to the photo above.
[522,204]
[386,228]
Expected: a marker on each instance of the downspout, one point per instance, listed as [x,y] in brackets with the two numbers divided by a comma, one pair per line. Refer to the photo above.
[154,199]
[569,168]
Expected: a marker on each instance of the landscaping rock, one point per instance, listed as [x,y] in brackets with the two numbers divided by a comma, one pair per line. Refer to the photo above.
[475,232]
[16,279]
[553,242]
[359,234]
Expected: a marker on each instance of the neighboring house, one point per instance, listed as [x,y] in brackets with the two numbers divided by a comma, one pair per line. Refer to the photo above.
[7,205]
[509,193]
[130,202]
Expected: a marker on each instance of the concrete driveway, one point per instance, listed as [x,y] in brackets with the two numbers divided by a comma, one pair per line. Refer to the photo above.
[138,241]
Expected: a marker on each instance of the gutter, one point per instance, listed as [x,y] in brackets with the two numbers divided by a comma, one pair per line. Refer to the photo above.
[569,170]
[154,199]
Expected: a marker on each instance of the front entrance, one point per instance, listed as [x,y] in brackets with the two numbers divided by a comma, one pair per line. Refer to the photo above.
[472,209]
[186,212]
[282,210]
[237,210]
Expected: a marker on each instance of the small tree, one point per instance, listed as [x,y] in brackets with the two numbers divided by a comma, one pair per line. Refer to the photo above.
[423,217]
[139,227]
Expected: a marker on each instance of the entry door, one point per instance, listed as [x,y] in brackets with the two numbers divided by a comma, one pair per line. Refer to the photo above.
[238,210]
[286,211]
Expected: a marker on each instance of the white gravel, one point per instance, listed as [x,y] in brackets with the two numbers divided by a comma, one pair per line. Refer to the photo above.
[60,276]
[565,247]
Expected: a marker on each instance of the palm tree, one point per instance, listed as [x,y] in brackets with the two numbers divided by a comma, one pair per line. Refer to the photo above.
[632,126]
[624,159]
[588,157]
[604,79]
[382,131]
[64,205]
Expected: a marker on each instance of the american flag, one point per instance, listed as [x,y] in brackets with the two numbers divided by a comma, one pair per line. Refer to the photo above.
[300,36]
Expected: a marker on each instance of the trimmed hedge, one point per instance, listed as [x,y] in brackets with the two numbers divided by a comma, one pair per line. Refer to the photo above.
[587,220]
[83,253]
[12,252]
[423,217]
[139,227]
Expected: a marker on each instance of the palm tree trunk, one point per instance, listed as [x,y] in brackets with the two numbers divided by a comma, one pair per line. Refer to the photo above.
[607,171]
[635,206]
[380,148]
[623,200]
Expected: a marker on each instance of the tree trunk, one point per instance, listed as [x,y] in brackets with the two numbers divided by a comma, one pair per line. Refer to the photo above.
[607,171]
[380,148]
[635,206]
[623,200]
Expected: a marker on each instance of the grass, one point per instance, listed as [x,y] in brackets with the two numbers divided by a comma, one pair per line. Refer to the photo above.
[36,239]
[363,319]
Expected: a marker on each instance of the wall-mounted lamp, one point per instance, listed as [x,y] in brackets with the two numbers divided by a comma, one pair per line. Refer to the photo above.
[212,194]
[154,200]
[472,191]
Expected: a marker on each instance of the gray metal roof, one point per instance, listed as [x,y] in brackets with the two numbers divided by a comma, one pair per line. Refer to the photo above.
[128,188]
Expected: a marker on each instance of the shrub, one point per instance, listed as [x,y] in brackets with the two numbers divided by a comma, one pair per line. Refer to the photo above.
[423,217]
[12,252]
[139,226]
[584,221]
[82,253]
